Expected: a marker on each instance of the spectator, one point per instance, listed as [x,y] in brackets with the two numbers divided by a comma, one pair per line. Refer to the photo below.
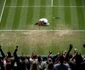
[7,59]
[41,64]
[15,64]
[23,65]
[50,67]
[33,57]
[62,61]
[61,65]
[50,54]
[50,57]
[34,66]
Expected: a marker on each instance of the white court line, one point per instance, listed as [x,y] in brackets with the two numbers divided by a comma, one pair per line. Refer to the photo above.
[40,30]
[43,6]
[51,3]
[2,10]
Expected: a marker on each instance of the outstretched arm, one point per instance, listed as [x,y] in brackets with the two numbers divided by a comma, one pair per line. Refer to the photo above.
[15,52]
[67,55]
[2,53]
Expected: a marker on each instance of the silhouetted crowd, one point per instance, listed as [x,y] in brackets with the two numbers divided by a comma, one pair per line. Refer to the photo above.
[61,61]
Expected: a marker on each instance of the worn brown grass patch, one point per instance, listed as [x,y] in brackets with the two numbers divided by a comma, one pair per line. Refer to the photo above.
[41,39]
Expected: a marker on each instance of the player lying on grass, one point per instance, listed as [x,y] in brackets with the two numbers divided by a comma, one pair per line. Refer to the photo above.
[42,22]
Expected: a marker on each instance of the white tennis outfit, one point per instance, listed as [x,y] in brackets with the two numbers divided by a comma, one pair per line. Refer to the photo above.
[44,20]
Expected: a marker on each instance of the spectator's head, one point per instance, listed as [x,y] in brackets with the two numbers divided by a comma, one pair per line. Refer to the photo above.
[79,59]
[9,54]
[50,52]
[49,60]
[34,55]
[75,51]
[23,57]
[50,66]
[64,52]
[61,59]
[39,58]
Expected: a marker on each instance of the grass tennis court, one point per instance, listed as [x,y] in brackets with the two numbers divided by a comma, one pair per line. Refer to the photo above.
[22,14]
[42,41]
[67,16]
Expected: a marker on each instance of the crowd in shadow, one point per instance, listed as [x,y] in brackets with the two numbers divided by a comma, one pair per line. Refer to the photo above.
[60,61]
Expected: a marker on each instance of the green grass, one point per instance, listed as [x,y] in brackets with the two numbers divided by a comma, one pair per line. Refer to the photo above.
[28,12]
[1,5]
[23,18]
